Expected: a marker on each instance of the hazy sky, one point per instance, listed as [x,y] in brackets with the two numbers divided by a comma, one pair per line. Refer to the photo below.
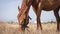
[9,11]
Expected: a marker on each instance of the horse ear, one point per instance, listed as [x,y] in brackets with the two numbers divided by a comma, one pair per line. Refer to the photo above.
[19,8]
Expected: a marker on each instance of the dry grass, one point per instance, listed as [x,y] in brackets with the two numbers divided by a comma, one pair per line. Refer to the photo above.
[13,29]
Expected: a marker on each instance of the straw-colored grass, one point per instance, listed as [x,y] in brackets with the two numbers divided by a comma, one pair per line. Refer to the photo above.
[13,29]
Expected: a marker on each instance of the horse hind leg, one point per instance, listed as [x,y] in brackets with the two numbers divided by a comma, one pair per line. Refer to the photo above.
[57,18]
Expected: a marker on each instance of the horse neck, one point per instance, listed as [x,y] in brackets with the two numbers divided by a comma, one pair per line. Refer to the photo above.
[23,6]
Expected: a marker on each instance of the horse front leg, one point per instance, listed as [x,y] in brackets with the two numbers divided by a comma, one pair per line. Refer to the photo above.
[39,26]
[57,18]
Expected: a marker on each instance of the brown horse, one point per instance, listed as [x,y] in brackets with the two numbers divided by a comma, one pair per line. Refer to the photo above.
[39,5]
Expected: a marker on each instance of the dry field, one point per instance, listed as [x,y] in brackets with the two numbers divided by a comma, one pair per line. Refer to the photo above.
[13,29]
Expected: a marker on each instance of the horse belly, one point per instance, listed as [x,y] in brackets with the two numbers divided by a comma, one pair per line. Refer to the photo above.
[46,5]
[46,8]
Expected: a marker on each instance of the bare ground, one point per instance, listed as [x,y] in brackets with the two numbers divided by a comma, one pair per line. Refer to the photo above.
[13,29]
